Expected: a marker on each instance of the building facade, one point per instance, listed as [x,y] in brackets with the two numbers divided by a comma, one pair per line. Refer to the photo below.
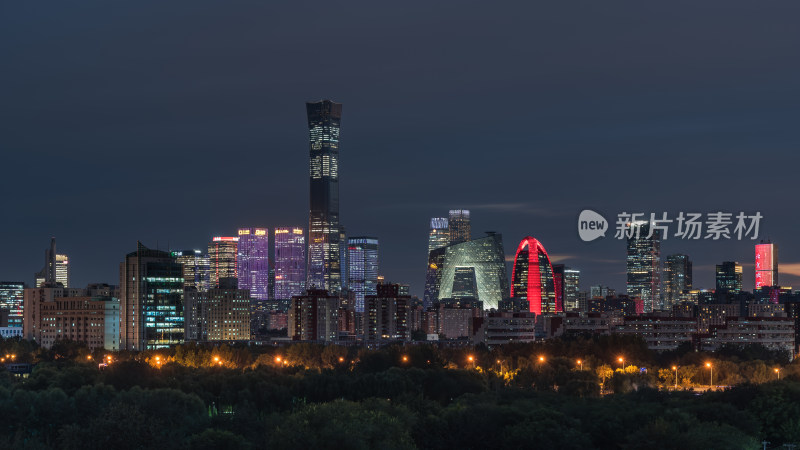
[532,277]
[362,268]
[11,299]
[56,267]
[252,261]
[459,227]
[220,314]
[151,300]
[223,258]
[766,265]
[438,238]
[677,280]
[324,231]
[644,264]
[386,314]
[729,277]
[314,317]
[196,269]
[486,258]
[290,262]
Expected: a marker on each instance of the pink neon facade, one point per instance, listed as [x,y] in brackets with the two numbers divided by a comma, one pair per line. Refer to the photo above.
[528,280]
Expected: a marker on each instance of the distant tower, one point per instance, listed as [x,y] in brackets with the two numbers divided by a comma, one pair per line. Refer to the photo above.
[460,228]
[438,238]
[532,277]
[222,253]
[766,265]
[729,277]
[324,230]
[572,287]
[56,267]
[644,264]
[252,260]
[362,257]
[677,279]
[196,269]
[290,262]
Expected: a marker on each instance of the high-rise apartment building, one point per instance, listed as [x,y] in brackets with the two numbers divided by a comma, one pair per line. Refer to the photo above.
[324,231]
[196,269]
[290,262]
[386,314]
[729,277]
[223,257]
[486,257]
[151,300]
[220,314]
[644,264]
[459,226]
[252,262]
[362,270]
[677,280]
[314,317]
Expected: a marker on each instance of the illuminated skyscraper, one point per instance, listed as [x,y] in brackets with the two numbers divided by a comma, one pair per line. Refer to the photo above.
[11,298]
[56,267]
[252,260]
[438,238]
[644,264]
[532,277]
[362,271]
[222,254]
[196,269]
[677,280]
[151,300]
[766,265]
[460,229]
[290,262]
[729,277]
[572,287]
[487,259]
[324,231]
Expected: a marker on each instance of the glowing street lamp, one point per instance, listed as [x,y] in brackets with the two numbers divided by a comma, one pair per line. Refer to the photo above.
[405,358]
[622,363]
[277,360]
[89,357]
[778,372]
[580,362]
[711,381]
[341,359]
[471,359]
[541,359]
[675,368]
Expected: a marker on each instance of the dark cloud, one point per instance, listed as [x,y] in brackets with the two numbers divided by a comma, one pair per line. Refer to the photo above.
[172,121]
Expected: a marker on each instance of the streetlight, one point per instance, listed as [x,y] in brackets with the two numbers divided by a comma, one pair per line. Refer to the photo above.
[580,362]
[675,368]
[405,358]
[471,359]
[89,357]
[341,359]
[277,360]
[711,381]
[778,371]
[622,363]
[541,359]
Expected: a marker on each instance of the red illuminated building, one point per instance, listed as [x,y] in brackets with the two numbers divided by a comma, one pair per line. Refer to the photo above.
[532,277]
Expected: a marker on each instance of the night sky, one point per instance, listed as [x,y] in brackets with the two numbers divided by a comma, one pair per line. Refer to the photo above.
[171,122]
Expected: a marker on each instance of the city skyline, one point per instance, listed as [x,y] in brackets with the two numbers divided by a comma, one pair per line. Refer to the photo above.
[544,106]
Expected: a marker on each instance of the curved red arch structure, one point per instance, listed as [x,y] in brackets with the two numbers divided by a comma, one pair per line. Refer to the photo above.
[531,249]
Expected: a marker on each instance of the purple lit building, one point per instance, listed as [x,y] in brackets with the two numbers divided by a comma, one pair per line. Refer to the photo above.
[253,260]
[290,262]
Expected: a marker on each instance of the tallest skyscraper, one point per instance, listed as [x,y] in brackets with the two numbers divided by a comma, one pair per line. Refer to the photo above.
[324,231]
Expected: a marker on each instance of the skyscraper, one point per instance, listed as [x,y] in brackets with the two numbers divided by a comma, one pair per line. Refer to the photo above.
[677,279]
[196,269]
[460,229]
[558,285]
[151,300]
[766,265]
[11,298]
[487,259]
[438,237]
[222,254]
[56,267]
[290,262]
[572,287]
[532,277]
[252,260]
[729,277]
[362,270]
[324,230]
[644,264]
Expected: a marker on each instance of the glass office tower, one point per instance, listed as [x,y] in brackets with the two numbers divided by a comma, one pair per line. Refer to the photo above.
[290,262]
[532,277]
[252,260]
[644,264]
[222,253]
[324,230]
[362,270]
[487,259]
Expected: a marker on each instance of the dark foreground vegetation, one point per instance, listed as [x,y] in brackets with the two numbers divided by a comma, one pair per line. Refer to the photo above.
[314,397]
